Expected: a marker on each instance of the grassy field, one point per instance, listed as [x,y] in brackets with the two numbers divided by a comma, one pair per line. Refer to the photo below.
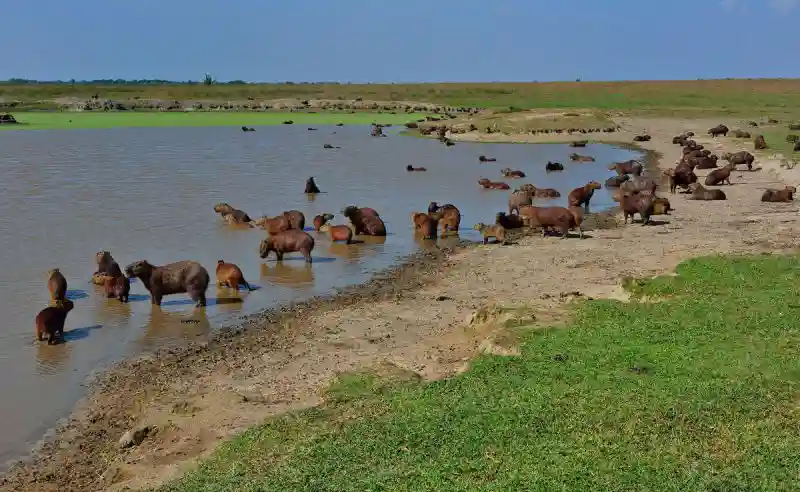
[696,392]
[66,120]
[664,97]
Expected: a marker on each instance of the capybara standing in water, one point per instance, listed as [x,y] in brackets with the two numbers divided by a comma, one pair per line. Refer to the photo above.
[760,143]
[118,287]
[518,199]
[339,233]
[784,195]
[632,204]
[639,184]
[321,220]
[57,285]
[230,275]
[559,218]
[231,215]
[626,167]
[287,242]
[496,231]
[719,176]
[718,130]
[296,219]
[273,225]
[448,215]
[51,320]
[311,186]
[743,157]
[365,221]
[106,265]
[700,193]
[428,225]
[181,277]
[582,196]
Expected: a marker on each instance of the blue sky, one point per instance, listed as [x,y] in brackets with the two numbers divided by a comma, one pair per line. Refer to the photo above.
[399,41]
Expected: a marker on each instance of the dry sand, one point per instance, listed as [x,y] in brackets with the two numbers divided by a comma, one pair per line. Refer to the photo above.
[418,320]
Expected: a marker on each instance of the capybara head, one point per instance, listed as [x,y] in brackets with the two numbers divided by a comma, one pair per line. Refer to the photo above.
[67,305]
[103,257]
[409,167]
[350,211]
[267,246]
[480,226]
[593,185]
[141,268]
[52,271]
[433,207]
[484,182]
[223,208]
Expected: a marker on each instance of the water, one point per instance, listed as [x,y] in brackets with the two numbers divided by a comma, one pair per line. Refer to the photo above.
[148,193]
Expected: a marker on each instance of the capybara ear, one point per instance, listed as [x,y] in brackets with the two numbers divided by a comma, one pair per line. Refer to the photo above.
[220,261]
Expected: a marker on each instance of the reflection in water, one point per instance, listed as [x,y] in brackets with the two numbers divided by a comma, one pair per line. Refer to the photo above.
[184,324]
[283,273]
[51,359]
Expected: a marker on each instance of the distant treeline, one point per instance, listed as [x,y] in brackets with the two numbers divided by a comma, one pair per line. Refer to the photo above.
[15,81]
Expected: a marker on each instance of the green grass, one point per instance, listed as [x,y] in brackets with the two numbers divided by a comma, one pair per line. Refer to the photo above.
[697,392]
[59,120]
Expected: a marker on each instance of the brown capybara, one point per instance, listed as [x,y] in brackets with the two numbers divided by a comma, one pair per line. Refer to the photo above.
[512,173]
[230,275]
[680,176]
[719,176]
[50,320]
[339,233]
[661,206]
[232,215]
[118,287]
[180,277]
[546,193]
[412,169]
[582,196]
[528,187]
[553,166]
[784,195]
[642,138]
[57,285]
[496,231]
[700,193]
[518,199]
[741,134]
[718,130]
[492,185]
[433,207]
[448,215]
[296,219]
[557,218]
[760,143]
[365,221]
[311,186]
[580,158]
[742,157]
[637,203]
[483,158]
[273,225]
[287,242]
[616,181]
[627,167]
[578,143]
[639,184]
[425,224]
[509,221]
[321,220]
[106,265]
[702,162]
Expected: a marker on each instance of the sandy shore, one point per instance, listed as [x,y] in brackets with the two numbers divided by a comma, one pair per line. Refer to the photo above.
[417,318]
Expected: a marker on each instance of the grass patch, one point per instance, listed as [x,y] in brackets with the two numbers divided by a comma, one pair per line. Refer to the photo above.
[66,120]
[699,392]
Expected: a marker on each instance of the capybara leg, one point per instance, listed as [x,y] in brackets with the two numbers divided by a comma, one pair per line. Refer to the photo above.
[580,232]
[485,240]
[200,300]
[278,256]
[156,299]
[39,335]
[307,256]
[645,219]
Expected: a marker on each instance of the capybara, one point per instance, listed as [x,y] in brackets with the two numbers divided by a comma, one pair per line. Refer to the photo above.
[339,233]
[639,184]
[187,276]
[760,143]
[426,224]
[106,265]
[642,138]
[512,173]
[582,196]
[578,143]
[365,221]
[57,285]
[558,218]
[741,134]
[492,185]
[627,167]
[796,146]
[719,176]
[321,220]
[483,158]
[703,162]
[530,188]
[509,221]
[230,275]
[518,199]
[232,215]
[448,215]
[118,287]
[311,186]
[546,193]
[287,242]
[661,206]
[553,166]
[784,195]
[296,219]
[680,176]
[411,168]
[632,204]
[616,181]
[496,231]
[700,193]
[248,129]
[718,130]
[50,320]
[742,157]
[433,207]
[273,225]
[580,158]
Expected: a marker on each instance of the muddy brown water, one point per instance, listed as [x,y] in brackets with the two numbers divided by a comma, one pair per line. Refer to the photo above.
[148,193]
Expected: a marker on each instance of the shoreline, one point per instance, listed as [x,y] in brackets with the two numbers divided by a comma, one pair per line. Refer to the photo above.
[114,397]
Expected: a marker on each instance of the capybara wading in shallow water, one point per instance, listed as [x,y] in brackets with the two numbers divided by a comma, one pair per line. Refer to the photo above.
[296,219]
[365,221]
[518,199]
[448,215]
[181,277]
[311,186]
[273,225]
[700,193]
[496,231]
[118,287]
[784,195]
[50,320]
[626,167]
[106,265]
[492,185]
[582,196]
[287,242]
[637,203]
[321,220]
[57,285]
[230,275]
[231,215]
[425,224]
[339,233]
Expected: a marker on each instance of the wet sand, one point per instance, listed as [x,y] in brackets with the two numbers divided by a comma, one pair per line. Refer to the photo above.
[416,318]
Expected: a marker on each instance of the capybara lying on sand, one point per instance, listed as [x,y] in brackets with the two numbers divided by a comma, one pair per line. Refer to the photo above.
[117,287]
[582,196]
[700,193]
[231,215]
[496,231]
[719,176]
[642,138]
[637,203]
[50,320]
[230,275]
[784,195]
[557,218]
[181,277]
[57,286]
[287,242]
[661,206]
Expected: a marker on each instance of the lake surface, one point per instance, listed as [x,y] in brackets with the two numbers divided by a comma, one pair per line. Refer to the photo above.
[148,193]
